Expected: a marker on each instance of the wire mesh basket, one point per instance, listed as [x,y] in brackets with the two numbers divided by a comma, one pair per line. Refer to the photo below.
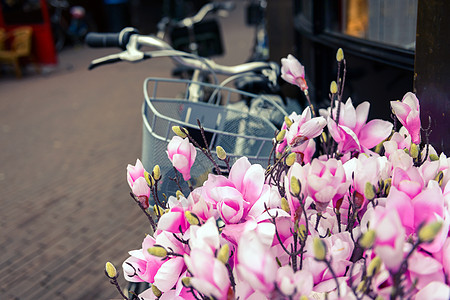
[226,120]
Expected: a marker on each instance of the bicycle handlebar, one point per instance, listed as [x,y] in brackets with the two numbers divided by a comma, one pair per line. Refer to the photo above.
[129,40]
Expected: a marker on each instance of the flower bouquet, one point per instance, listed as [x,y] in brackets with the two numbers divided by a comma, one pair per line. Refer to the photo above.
[345,209]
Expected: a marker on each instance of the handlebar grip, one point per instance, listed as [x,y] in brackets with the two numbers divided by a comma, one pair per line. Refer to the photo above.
[104,40]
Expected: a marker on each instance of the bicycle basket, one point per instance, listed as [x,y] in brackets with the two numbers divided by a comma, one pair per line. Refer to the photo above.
[226,121]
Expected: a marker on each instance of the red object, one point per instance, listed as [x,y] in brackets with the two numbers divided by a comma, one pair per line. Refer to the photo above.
[43,46]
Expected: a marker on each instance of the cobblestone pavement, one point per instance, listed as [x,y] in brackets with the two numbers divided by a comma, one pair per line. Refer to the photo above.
[65,141]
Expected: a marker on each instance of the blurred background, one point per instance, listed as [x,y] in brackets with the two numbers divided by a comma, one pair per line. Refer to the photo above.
[67,134]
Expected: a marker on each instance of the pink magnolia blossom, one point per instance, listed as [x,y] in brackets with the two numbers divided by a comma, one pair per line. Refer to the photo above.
[424,269]
[390,237]
[144,267]
[209,275]
[326,181]
[434,291]
[138,184]
[205,237]
[303,129]
[352,132]
[234,196]
[182,155]
[399,140]
[408,113]
[299,283]
[293,72]
[255,262]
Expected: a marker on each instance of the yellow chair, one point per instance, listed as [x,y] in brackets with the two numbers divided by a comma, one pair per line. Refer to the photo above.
[19,50]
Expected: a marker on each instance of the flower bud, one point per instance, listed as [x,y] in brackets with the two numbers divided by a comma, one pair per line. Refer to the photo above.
[333,87]
[186,281]
[361,288]
[340,54]
[367,240]
[191,218]
[290,159]
[374,266]
[179,194]
[157,173]
[433,157]
[278,155]
[302,232]
[280,135]
[156,291]
[159,211]
[369,191]
[319,249]
[428,232]
[221,154]
[180,131]
[285,205]
[158,251]
[295,186]
[439,178]
[224,253]
[288,121]
[414,151]
[304,297]
[387,186]
[149,179]
[110,270]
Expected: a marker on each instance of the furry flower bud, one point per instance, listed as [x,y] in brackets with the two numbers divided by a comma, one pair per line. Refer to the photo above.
[428,232]
[156,291]
[288,121]
[367,239]
[369,191]
[158,251]
[110,270]
[180,131]
[221,154]
[224,253]
[414,151]
[280,135]
[179,194]
[186,281]
[333,87]
[433,157]
[157,173]
[149,179]
[340,54]
[374,266]
[290,159]
[191,218]
[295,186]
[319,249]
[285,205]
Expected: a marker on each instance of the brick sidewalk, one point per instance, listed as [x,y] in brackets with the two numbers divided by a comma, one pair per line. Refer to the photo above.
[65,140]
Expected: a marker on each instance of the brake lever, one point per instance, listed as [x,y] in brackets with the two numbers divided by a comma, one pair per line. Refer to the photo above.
[104,61]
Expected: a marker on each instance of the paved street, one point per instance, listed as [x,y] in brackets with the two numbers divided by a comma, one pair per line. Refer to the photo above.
[66,138]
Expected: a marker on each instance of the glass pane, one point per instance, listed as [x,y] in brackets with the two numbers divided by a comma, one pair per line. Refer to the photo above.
[390,22]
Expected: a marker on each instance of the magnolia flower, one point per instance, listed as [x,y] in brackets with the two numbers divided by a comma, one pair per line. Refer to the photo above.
[390,237]
[399,140]
[299,283]
[138,184]
[326,181]
[209,275]
[256,264]
[293,72]
[144,267]
[304,129]
[408,113]
[352,132]
[182,155]
[233,197]
[434,291]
